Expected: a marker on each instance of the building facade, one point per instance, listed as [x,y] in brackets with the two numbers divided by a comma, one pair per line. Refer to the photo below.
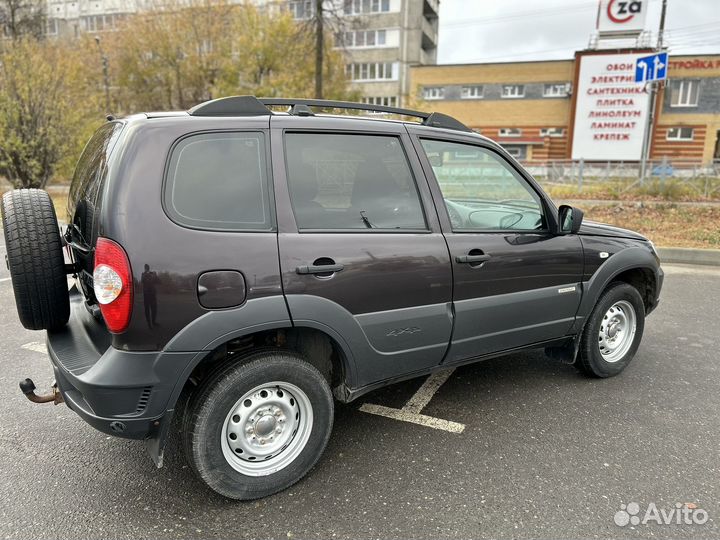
[532,108]
[381,39]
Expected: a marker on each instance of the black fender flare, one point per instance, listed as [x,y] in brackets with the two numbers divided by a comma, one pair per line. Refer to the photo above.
[630,258]
[219,326]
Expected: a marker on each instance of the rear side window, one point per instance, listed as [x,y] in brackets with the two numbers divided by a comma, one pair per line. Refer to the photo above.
[347,181]
[90,174]
[219,181]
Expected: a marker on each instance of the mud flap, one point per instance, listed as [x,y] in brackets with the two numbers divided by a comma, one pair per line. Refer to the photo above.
[155,443]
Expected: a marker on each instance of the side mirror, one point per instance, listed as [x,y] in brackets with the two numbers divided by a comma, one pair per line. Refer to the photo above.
[569,219]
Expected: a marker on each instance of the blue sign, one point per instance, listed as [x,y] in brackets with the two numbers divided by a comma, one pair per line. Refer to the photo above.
[651,68]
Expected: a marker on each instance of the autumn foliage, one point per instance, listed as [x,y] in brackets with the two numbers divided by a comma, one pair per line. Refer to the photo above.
[52,91]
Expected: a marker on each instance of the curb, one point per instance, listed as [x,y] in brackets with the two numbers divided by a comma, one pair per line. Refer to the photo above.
[678,255]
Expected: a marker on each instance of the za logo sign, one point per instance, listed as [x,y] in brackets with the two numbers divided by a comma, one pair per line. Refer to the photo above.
[622,11]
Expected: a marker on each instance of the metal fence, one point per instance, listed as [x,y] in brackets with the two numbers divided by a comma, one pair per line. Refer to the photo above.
[699,180]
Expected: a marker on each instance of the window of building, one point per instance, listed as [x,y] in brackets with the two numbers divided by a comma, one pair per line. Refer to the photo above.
[552,132]
[513,90]
[510,132]
[685,93]
[363,7]
[433,92]
[517,151]
[219,181]
[101,23]
[372,71]
[51,27]
[555,90]
[301,9]
[353,182]
[474,91]
[386,101]
[362,39]
[680,134]
[482,191]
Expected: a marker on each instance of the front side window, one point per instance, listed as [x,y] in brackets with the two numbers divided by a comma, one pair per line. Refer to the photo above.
[219,181]
[685,93]
[345,182]
[481,190]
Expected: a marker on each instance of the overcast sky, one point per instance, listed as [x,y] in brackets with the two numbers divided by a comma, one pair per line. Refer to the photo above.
[514,30]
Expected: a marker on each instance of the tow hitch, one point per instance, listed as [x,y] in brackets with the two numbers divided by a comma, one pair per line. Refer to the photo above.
[28,388]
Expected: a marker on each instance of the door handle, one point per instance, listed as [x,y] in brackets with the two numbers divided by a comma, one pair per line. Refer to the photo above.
[319,268]
[473,257]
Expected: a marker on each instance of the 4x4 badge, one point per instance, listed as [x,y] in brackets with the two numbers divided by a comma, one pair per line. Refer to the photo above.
[395,332]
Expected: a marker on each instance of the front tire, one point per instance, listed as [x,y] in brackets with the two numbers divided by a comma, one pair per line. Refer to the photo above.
[613,332]
[257,427]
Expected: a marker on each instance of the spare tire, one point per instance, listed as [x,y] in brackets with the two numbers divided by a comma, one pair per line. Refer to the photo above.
[35,259]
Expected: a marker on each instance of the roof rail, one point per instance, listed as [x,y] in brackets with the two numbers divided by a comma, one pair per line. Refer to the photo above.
[429,119]
[252,106]
[231,106]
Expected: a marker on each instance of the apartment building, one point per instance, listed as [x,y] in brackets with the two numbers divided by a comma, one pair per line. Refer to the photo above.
[381,39]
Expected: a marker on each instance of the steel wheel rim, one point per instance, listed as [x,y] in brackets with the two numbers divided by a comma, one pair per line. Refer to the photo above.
[617,331]
[267,428]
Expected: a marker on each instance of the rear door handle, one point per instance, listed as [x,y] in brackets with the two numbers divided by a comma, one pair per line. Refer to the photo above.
[319,268]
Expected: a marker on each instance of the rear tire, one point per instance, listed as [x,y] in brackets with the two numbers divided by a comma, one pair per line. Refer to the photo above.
[257,427]
[613,332]
[35,259]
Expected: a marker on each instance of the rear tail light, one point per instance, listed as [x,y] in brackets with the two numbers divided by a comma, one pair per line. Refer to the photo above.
[113,284]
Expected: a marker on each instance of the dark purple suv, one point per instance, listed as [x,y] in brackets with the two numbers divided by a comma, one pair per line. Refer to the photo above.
[241,265]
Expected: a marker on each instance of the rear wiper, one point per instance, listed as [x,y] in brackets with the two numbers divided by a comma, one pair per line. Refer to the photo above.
[365,220]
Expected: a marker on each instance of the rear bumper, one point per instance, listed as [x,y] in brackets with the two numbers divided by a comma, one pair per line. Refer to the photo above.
[121,393]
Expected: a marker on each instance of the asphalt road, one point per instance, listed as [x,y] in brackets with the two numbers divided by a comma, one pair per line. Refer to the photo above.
[545,452]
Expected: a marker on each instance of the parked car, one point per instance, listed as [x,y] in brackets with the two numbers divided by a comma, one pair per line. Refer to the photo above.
[241,267]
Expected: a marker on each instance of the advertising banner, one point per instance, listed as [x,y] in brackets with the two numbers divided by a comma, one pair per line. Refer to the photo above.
[611,109]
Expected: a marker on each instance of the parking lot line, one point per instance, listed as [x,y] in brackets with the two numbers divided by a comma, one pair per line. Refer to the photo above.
[411,411]
[4,279]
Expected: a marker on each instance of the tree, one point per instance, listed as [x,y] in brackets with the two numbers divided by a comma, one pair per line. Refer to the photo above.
[22,18]
[170,57]
[48,107]
[175,57]
[273,55]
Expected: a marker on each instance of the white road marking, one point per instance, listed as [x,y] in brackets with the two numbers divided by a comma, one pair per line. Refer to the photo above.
[425,393]
[36,346]
[4,279]
[411,411]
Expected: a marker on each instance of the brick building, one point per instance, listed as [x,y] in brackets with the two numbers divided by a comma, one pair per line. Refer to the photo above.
[530,107]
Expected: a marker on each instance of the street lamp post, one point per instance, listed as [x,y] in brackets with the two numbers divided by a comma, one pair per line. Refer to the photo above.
[106,77]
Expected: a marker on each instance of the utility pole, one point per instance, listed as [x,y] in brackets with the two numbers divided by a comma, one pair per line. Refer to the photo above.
[106,77]
[319,45]
[647,142]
